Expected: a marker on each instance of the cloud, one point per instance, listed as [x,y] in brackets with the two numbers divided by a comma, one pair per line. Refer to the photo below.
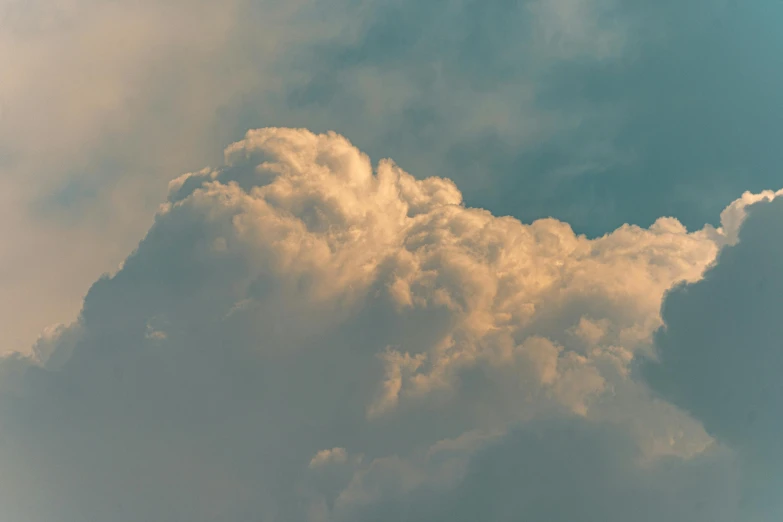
[562,108]
[720,352]
[329,456]
[297,299]
[91,88]
[571,470]
[101,103]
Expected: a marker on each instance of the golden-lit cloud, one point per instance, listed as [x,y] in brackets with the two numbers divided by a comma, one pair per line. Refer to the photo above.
[302,335]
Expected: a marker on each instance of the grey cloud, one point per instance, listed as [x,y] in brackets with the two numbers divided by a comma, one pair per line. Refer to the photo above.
[720,353]
[575,470]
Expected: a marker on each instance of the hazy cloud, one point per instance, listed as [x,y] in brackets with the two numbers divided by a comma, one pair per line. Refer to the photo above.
[596,112]
[721,353]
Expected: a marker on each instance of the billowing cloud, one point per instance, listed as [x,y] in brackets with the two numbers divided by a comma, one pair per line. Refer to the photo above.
[301,336]
[577,109]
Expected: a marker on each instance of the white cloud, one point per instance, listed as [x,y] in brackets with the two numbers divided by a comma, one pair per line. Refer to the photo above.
[329,456]
[295,299]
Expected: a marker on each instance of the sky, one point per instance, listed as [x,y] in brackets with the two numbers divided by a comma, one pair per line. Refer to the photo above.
[396,260]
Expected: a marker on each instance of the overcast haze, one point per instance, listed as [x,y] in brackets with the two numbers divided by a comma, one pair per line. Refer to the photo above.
[399,260]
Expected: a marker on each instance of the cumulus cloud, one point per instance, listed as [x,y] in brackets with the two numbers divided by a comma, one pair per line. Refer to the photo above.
[302,336]
[102,101]
[536,108]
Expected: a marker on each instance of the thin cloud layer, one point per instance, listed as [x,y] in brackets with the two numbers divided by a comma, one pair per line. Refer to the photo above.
[301,336]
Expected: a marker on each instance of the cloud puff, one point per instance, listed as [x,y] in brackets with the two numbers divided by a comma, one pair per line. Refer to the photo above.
[301,336]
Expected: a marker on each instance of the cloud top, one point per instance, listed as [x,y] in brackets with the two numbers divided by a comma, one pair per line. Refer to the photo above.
[303,336]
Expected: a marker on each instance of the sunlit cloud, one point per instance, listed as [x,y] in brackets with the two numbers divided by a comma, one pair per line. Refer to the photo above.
[303,335]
